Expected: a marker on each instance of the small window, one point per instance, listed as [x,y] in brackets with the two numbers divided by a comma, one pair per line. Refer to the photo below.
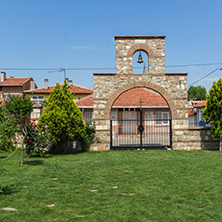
[88,116]
[162,118]
[37,99]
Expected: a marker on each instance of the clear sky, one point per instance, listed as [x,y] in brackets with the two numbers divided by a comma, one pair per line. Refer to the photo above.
[79,34]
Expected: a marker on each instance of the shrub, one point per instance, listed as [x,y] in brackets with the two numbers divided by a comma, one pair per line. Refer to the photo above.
[8,129]
[63,117]
[37,137]
[88,136]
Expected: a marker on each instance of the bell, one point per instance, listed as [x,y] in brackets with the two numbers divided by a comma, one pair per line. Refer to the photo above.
[140,59]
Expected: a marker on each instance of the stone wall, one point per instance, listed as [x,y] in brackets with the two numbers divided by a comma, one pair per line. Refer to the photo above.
[171,86]
[196,138]
[126,46]
[109,86]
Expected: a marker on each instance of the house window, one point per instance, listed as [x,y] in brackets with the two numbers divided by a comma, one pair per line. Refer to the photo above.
[37,99]
[88,116]
[162,118]
[5,96]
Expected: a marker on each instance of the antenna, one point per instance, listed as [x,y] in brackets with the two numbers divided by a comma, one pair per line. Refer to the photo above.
[59,70]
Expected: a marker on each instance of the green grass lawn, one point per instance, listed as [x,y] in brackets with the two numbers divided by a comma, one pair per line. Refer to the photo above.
[113,186]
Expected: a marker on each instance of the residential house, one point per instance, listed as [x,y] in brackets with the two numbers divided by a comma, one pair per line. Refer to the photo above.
[14,86]
[195,116]
[41,94]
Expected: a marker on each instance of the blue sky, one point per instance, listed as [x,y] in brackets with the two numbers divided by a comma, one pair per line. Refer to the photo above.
[80,34]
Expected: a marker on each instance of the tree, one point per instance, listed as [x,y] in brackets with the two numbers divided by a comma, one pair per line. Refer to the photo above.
[212,113]
[62,117]
[197,93]
[8,129]
[20,108]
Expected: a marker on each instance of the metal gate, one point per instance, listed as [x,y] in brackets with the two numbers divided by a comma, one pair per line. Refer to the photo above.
[142,134]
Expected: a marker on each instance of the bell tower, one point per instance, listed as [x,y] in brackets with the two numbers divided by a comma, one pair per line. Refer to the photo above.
[126,46]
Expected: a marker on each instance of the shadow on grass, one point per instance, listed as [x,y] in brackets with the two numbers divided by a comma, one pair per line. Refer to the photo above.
[34,162]
[7,190]
[2,157]
[44,156]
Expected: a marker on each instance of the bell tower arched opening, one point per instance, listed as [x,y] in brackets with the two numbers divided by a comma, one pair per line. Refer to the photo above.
[140,62]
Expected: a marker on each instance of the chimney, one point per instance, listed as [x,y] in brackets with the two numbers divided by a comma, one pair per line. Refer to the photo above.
[32,85]
[3,76]
[46,83]
[69,82]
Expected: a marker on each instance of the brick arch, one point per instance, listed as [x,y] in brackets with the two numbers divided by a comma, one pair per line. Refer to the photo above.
[140,47]
[139,84]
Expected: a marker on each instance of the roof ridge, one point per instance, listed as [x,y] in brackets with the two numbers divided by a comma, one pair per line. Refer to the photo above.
[81,87]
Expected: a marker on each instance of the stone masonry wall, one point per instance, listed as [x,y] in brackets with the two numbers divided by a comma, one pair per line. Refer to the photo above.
[171,86]
[126,46]
[108,87]
[196,139]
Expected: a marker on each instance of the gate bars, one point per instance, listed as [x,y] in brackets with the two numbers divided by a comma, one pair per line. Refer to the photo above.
[143,134]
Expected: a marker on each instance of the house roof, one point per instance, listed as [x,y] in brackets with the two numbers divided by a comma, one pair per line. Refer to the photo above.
[73,88]
[130,98]
[195,104]
[14,81]
[85,102]
[191,112]
[200,104]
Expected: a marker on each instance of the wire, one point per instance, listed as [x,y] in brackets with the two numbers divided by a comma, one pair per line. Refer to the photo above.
[205,76]
[203,64]
[99,68]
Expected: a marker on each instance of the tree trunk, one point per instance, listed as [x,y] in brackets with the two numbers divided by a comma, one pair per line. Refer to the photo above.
[22,152]
[220,143]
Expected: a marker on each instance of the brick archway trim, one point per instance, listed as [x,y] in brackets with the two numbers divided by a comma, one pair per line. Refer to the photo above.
[142,47]
[139,84]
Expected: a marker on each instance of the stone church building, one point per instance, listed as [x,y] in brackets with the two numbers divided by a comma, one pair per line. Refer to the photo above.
[172,87]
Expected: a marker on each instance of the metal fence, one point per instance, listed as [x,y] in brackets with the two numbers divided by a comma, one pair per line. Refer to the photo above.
[130,134]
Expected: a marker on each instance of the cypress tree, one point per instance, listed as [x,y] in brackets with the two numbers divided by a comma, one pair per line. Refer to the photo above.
[212,113]
[62,117]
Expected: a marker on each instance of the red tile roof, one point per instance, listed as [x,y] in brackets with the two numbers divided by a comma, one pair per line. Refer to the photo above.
[73,88]
[191,112]
[200,104]
[130,98]
[85,102]
[14,81]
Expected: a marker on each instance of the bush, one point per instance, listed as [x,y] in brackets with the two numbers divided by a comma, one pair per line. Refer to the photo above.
[37,137]
[8,129]
[88,136]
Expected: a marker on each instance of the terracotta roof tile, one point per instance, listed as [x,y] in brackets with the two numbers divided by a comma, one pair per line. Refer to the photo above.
[14,81]
[73,88]
[200,104]
[85,102]
[130,98]
[191,112]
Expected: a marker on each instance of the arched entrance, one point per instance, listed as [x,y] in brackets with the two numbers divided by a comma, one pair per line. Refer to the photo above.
[140,118]
[109,86]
